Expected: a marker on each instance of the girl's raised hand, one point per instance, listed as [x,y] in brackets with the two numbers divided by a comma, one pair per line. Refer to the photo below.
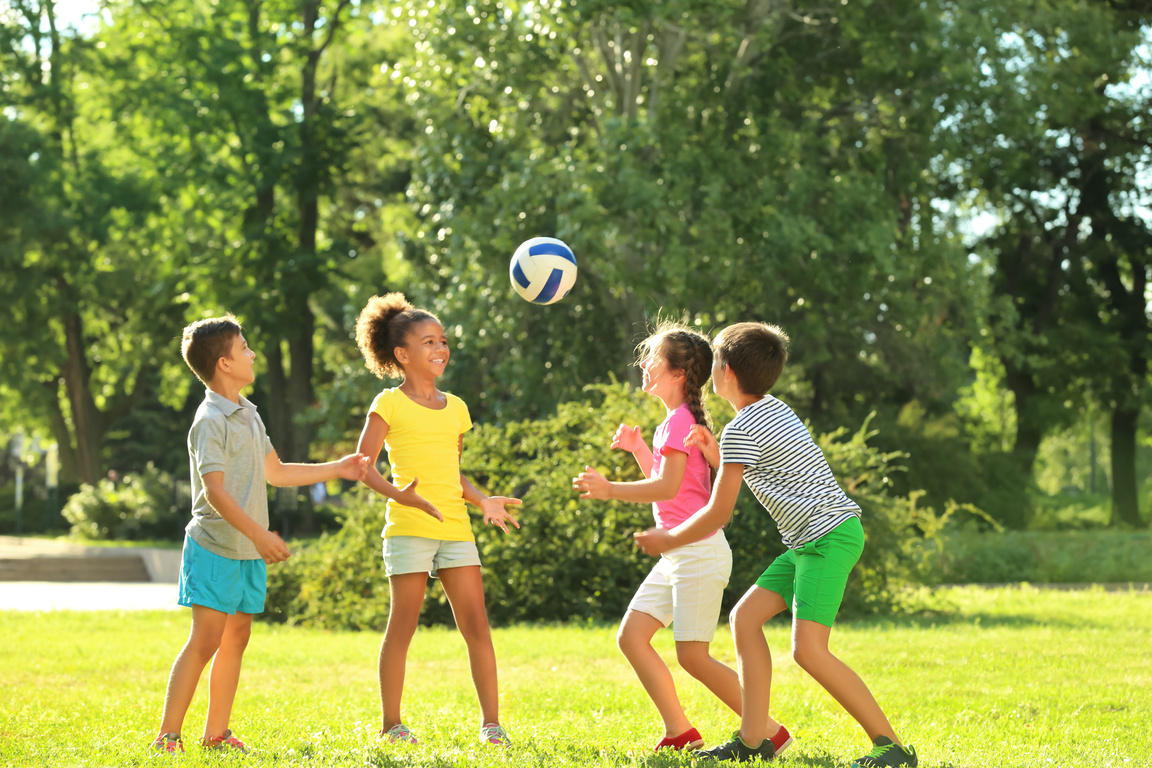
[702,437]
[409,498]
[495,514]
[628,439]
[592,484]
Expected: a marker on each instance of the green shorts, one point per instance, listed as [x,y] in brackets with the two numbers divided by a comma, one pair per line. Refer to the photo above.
[812,578]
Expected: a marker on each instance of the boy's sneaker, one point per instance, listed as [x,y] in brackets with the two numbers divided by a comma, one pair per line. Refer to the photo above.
[226,741]
[739,752]
[690,740]
[494,734]
[885,753]
[400,734]
[781,741]
[168,742]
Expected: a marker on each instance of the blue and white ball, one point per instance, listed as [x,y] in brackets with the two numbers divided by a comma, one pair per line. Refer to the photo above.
[543,270]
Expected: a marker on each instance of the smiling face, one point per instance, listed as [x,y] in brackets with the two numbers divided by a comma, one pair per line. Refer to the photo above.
[425,350]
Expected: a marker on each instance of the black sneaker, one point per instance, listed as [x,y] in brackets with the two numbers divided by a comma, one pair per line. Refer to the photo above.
[739,752]
[885,753]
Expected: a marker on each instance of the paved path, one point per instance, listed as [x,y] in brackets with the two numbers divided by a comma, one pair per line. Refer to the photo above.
[86,596]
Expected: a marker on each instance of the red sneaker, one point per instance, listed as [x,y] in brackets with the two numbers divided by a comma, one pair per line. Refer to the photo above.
[226,741]
[168,742]
[690,740]
[782,740]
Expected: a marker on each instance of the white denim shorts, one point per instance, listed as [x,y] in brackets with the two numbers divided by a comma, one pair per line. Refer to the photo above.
[685,588]
[413,554]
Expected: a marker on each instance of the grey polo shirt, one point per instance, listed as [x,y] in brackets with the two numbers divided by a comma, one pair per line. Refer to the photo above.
[229,438]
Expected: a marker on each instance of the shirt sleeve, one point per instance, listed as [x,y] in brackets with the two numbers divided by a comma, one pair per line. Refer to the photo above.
[206,442]
[383,407]
[676,430]
[268,447]
[738,447]
[462,413]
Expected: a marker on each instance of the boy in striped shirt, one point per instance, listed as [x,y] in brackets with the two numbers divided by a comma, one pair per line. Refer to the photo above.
[768,447]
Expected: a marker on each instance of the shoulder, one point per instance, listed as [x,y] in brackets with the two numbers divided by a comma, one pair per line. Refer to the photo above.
[208,418]
[456,404]
[385,399]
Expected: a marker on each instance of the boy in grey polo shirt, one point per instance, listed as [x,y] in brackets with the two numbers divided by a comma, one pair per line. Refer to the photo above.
[227,544]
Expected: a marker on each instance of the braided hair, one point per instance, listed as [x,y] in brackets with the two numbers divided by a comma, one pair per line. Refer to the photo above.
[383,325]
[684,350]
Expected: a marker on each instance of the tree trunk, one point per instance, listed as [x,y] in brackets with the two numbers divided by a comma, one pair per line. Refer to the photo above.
[1125,492]
[87,427]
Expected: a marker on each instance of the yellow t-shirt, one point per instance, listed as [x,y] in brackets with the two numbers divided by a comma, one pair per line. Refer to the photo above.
[424,443]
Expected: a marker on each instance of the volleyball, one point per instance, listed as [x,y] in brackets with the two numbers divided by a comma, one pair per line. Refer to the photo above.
[543,270]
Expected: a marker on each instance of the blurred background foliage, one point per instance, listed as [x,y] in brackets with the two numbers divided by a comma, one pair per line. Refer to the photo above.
[947,205]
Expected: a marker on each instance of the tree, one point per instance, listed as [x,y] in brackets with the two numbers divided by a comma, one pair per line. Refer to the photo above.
[706,159]
[1059,141]
[88,300]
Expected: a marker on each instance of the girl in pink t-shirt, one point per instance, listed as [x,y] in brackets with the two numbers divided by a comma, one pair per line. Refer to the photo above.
[686,586]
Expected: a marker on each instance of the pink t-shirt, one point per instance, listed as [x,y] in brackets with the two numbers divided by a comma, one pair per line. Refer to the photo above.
[696,486]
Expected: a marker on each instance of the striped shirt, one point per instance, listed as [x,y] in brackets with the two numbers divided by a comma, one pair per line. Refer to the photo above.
[786,471]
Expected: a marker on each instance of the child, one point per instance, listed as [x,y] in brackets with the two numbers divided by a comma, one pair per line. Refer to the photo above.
[227,543]
[687,584]
[771,449]
[427,533]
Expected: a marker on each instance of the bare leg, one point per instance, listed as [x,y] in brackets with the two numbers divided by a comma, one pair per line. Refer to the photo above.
[634,639]
[754,662]
[464,588]
[406,596]
[716,676]
[203,640]
[810,650]
[225,675]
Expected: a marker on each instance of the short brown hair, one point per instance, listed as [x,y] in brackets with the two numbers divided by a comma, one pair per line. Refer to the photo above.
[206,341]
[383,325]
[756,353]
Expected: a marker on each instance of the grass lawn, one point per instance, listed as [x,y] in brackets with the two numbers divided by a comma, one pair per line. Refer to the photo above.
[1008,677]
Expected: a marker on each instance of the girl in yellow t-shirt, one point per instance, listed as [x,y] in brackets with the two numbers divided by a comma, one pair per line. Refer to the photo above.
[426,532]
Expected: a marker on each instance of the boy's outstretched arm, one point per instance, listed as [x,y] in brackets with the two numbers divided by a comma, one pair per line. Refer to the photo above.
[351,467]
[268,543]
[711,517]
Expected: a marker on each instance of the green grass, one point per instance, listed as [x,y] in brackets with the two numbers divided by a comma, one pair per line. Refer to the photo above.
[1008,677]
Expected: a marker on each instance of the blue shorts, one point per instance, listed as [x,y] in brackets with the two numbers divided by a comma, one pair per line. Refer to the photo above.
[221,583]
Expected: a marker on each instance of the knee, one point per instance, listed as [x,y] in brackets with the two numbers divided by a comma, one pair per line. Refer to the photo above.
[694,661]
[237,639]
[808,656]
[743,619]
[629,642]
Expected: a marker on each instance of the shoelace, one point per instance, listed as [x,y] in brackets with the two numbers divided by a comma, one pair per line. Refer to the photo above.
[494,734]
[880,750]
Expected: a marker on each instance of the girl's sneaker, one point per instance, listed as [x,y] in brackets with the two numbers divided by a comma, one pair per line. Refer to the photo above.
[781,741]
[494,734]
[400,734]
[226,741]
[168,742]
[690,739]
[885,753]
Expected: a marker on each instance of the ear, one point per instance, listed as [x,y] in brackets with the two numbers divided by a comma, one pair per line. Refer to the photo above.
[401,355]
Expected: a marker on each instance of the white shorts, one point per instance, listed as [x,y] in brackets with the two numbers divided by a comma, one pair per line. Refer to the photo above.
[686,587]
[413,554]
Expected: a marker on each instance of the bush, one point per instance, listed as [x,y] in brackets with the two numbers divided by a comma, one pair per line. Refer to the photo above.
[338,579]
[1045,557]
[573,558]
[139,506]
